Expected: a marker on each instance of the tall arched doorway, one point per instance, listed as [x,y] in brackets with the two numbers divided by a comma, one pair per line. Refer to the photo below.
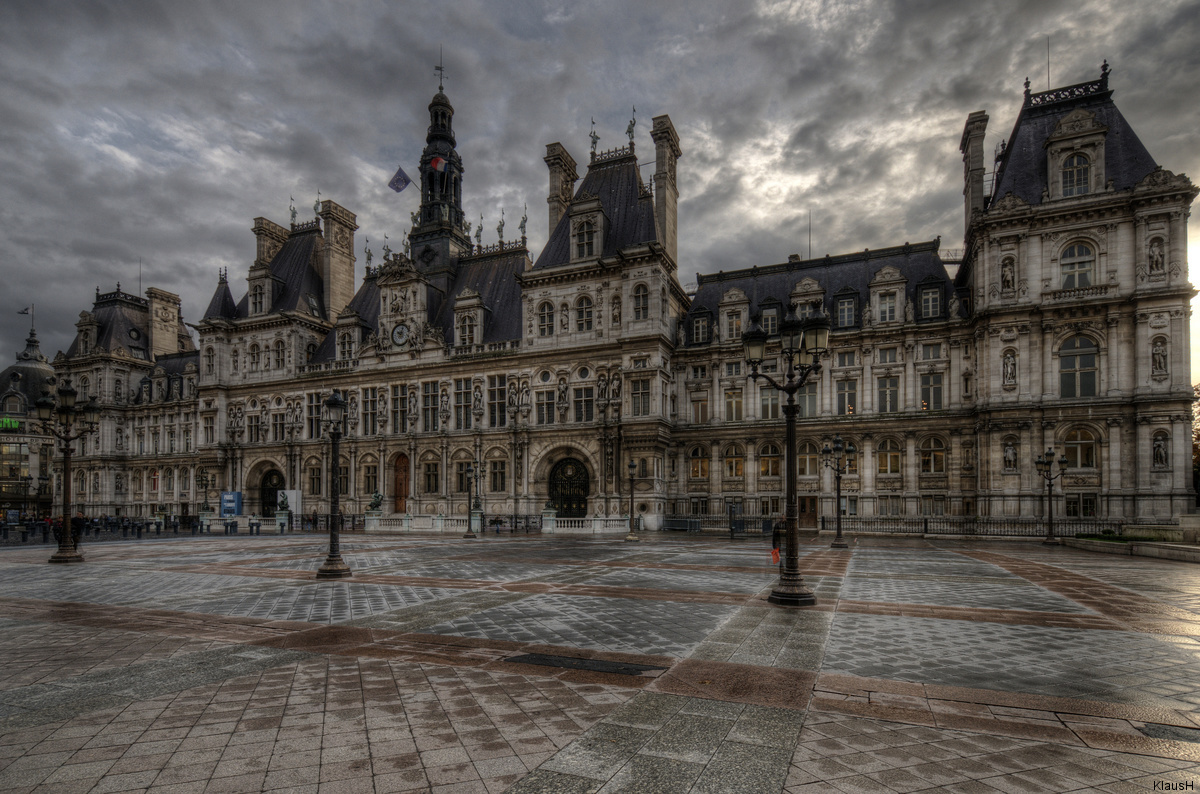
[401,483]
[569,488]
[272,484]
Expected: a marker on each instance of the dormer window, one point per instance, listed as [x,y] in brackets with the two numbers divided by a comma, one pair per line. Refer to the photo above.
[466,329]
[770,322]
[733,325]
[345,347]
[887,307]
[931,302]
[585,237]
[1075,175]
[699,330]
[256,299]
[845,312]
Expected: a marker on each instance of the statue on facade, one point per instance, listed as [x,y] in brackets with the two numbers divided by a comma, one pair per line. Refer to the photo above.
[477,401]
[595,138]
[1010,368]
[1008,278]
[908,311]
[616,312]
[1160,452]
[412,409]
[281,501]
[952,306]
[500,226]
[479,233]
[1010,457]
[376,501]
[632,124]
[1158,357]
[562,402]
[513,398]
[1157,263]
[524,221]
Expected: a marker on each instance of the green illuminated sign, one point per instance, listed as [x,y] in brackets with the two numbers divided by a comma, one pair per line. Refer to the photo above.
[8,423]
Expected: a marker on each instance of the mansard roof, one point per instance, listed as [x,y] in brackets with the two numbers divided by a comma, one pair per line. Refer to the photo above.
[492,274]
[365,304]
[1022,169]
[123,323]
[918,263]
[298,276]
[613,178]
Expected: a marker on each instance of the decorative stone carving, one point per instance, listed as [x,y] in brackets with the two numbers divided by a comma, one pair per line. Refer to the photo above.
[1010,369]
[1161,460]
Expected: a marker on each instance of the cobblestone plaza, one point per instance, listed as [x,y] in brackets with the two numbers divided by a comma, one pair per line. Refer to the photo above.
[539,664]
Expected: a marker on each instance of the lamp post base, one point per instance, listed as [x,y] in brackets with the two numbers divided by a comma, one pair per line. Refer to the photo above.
[333,568]
[632,538]
[790,596]
[1051,542]
[838,544]
[68,556]
[471,535]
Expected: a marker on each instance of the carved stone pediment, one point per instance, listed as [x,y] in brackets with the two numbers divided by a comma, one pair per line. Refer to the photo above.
[1009,203]
[886,274]
[807,284]
[1162,178]
[1077,122]
[734,295]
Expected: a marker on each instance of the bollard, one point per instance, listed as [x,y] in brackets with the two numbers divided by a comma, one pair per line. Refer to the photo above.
[139,531]
[24,534]
[45,534]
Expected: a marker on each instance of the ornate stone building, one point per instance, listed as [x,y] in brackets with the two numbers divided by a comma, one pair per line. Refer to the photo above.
[1063,322]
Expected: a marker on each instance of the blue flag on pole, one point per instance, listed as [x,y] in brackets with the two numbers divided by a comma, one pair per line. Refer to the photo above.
[399,181]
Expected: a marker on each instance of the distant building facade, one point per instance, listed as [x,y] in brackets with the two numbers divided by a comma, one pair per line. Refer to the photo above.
[1062,323]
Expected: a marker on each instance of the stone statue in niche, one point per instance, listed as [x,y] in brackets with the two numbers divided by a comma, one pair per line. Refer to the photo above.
[513,398]
[1160,452]
[1158,358]
[908,311]
[412,409]
[565,313]
[952,306]
[616,313]
[1157,264]
[1008,276]
[477,401]
[562,403]
[1010,457]
[1010,368]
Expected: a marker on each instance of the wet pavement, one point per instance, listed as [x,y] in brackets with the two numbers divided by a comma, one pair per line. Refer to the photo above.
[535,664]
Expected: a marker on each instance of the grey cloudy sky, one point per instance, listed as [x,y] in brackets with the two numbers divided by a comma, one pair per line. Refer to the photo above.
[157,131]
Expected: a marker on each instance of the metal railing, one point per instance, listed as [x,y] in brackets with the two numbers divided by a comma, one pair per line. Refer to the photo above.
[1009,526]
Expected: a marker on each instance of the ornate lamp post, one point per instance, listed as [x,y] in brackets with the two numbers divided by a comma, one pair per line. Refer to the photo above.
[67,422]
[632,536]
[202,480]
[471,506]
[334,567]
[802,342]
[838,461]
[1044,466]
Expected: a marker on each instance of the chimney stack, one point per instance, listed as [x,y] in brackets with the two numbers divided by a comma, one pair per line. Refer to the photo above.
[562,181]
[666,193]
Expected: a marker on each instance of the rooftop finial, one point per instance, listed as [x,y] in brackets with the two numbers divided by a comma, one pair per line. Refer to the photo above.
[1104,73]
[479,233]
[500,226]
[317,204]
[595,138]
[632,124]
[441,70]
[367,249]
[292,208]
[524,220]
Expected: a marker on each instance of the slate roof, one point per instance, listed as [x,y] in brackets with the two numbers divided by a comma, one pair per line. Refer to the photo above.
[295,265]
[30,376]
[919,263]
[494,277]
[176,363]
[221,306]
[629,207]
[117,314]
[366,303]
[1022,169]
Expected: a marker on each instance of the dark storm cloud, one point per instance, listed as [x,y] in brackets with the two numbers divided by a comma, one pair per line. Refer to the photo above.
[158,131]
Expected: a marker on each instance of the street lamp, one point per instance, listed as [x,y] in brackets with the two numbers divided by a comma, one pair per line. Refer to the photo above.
[60,418]
[632,470]
[838,460]
[801,342]
[334,567]
[471,507]
[1044,466]
[202,479]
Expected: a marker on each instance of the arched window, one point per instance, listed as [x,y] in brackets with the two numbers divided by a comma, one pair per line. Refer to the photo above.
[1077,367]
[889,457]
[1081,449]
[85,343]
[466,329]
[735,461]
[768,461]
[641,302]
[1076,266]
[699,462]
[254,358]
[583,314]
[809,462]
[279,354]
[585,236]
[1075,175]
[933,456]
[546,319]
[154,480]
[84,385]
[12,405]
[256,299]
[210,359]
[310,350]
[169,481]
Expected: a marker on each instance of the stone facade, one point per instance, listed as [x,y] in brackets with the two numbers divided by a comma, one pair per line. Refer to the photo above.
[1062,322]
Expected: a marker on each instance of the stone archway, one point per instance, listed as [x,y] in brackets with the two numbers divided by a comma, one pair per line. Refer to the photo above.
[271,484]
[569,487]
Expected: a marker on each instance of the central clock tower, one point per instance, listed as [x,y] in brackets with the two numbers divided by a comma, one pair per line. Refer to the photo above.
[439,238]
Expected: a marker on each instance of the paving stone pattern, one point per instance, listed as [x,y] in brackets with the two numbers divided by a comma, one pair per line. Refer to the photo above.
[221,665]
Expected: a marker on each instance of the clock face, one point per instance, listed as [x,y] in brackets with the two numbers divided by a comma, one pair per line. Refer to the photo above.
[400,334]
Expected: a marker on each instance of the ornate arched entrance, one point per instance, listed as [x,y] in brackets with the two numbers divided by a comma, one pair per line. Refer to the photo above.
[569,487]
[401,483]
[272,484]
